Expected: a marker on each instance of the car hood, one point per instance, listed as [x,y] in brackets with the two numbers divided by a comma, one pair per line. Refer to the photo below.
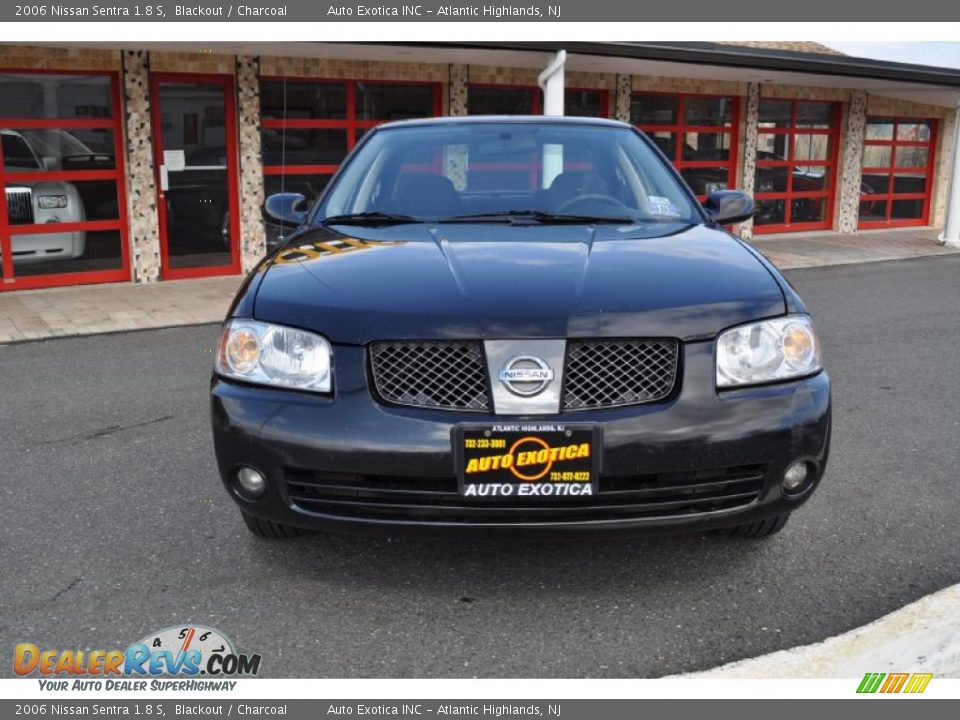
[504,281]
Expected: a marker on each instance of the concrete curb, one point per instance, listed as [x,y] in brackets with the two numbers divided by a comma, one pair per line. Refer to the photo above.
[921,637]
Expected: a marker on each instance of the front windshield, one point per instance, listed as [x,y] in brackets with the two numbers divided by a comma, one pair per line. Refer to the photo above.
[475,171]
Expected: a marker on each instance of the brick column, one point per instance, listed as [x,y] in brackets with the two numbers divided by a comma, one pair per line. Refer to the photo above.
[851,172]
[459,78]
[253,239]
[141,180]
[751,124]
[622,102]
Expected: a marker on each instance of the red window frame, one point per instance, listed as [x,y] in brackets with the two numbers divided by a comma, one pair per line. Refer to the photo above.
[788,196]
[892,171]
[350,123]
[680,128]
[10,281]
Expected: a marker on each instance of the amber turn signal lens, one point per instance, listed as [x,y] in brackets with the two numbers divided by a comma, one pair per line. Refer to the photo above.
[241,350]
[798,345]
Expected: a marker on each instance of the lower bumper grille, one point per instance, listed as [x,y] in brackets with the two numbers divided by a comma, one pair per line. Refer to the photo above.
[387,497]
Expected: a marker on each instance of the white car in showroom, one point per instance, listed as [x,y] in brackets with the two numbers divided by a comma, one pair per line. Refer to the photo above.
[40,202]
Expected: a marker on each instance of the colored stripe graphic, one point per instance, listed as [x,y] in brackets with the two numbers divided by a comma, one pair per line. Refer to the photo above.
[918,682]
[894,683]
[870,682]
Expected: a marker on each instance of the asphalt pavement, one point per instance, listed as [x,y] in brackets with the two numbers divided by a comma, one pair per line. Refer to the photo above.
[116,524]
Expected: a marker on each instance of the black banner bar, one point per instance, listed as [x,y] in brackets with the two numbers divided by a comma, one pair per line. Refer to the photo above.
[875,709]
[430,11]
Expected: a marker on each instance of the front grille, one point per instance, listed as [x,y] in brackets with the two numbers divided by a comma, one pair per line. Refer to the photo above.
[20,206]
[435,499]
[612,373]
[450,375]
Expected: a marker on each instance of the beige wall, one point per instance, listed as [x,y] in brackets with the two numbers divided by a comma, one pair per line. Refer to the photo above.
[33,57]
[688,85]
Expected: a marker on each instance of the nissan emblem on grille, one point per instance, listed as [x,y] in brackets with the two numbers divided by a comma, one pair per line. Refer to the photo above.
[526,375]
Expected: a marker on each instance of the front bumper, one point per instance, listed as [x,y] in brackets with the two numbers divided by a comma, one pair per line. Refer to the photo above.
[699,461]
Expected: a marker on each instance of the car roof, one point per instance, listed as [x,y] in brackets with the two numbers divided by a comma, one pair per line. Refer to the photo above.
[500,119]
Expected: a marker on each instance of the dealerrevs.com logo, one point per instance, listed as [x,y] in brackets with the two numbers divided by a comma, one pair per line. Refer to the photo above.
[178,652]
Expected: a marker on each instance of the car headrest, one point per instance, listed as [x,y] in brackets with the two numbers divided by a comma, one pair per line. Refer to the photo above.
[573,183]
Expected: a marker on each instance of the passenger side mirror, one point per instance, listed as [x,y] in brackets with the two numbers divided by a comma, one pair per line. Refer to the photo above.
[727,207]
[286,208]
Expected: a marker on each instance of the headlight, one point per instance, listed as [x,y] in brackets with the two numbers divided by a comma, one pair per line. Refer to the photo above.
[266,354]
[767,351]
[51,202]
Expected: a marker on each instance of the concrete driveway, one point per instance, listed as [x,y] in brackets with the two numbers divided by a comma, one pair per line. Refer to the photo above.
[116,523]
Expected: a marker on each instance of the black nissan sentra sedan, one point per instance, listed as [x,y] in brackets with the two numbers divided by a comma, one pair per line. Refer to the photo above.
[520,323]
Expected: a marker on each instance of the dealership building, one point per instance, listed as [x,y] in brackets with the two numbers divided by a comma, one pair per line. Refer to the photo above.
[149,163]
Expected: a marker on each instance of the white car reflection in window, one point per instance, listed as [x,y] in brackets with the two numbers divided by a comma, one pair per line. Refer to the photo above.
[39,203]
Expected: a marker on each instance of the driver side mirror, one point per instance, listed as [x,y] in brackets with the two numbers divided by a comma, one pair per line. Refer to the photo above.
[727,207]
[286,208]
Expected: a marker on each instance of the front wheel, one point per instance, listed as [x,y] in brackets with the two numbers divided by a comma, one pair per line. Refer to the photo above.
[272,530]
[758,528]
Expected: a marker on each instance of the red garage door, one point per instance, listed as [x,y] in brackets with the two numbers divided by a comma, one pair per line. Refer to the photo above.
[796,165]
[698,133]
[61,168]
[897,172]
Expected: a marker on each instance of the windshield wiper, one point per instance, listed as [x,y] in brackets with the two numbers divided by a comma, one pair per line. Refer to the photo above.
[539,216]
[369,218]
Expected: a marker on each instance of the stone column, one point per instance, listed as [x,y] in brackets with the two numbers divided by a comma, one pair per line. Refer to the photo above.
[750,130]
[459,79]
[946,132]
[622,102]
[951,230]
[144,235]
[455,158]
[253,239]
[851,169]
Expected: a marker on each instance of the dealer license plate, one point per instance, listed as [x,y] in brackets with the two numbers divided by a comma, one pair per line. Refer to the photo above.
[527,460]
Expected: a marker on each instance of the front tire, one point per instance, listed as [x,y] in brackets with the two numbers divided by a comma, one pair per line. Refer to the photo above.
[758,528]
[272,530]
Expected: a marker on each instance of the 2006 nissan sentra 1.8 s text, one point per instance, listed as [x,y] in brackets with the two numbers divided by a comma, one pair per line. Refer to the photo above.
[524,323]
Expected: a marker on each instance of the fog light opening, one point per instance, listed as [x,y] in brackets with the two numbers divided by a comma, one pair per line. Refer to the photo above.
[250,483]
[797,477]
